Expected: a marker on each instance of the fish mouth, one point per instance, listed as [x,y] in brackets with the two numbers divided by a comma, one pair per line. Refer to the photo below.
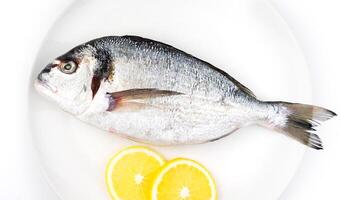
[41,83]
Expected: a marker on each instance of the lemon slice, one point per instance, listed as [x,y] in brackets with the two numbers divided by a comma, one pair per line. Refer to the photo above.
[129,173]
[183,179]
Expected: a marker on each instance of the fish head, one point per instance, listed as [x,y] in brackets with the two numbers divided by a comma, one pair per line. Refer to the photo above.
[67,79]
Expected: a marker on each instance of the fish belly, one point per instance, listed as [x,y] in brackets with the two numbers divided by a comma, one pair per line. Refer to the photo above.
[171,120]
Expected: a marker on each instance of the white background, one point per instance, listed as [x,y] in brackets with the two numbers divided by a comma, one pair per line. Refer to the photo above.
[315,23]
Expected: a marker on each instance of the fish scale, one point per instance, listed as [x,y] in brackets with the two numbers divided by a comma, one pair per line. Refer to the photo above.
[152,92]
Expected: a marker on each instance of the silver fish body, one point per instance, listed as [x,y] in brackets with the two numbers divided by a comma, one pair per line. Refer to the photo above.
[154,93]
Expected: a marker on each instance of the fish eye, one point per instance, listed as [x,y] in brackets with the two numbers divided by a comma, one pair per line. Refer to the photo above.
[68,67]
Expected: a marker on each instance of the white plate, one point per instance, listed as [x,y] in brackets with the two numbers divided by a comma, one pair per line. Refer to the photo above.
[246,38]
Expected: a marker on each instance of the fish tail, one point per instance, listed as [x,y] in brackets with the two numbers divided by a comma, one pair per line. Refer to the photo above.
[299,121]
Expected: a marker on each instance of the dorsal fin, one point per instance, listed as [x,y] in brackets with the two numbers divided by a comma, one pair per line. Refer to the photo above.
[240,86]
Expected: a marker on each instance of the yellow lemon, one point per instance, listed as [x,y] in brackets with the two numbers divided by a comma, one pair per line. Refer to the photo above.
[129,173]
[183,179]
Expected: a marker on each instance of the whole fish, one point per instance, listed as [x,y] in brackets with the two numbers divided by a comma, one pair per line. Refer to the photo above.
[152,92]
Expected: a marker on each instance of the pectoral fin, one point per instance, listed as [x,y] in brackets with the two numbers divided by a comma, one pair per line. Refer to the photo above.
[128,99]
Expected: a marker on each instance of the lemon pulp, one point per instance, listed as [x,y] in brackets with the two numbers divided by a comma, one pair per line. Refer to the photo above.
[129,173]
[183,179]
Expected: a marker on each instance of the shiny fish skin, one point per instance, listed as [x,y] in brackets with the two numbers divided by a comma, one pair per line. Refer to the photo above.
[182,119]
[154,93]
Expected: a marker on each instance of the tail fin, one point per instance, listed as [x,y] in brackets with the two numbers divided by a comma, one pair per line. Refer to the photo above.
[301,121]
